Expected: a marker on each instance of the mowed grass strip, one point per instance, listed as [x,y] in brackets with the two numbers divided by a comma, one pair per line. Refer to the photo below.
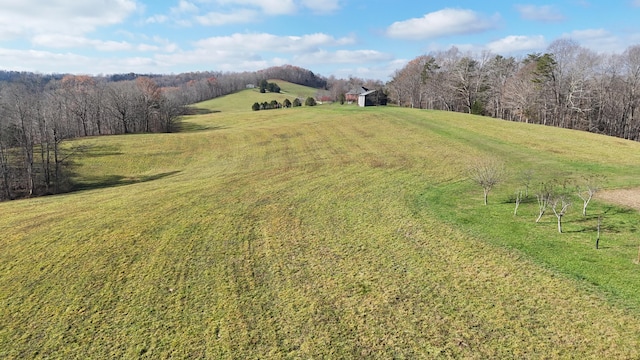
[331,232]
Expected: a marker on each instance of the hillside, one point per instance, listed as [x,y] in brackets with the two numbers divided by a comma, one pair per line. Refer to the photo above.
[325,232]
[244,99]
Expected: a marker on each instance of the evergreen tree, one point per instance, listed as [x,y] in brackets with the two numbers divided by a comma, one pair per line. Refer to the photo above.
[273,87]
[263,86]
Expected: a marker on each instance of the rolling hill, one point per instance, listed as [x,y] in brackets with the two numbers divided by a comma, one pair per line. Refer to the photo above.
[325,232]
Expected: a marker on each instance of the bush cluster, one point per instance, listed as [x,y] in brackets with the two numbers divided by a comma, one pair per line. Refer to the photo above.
[274,104]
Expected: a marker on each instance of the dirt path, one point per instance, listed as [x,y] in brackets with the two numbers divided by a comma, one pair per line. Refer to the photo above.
[625,197]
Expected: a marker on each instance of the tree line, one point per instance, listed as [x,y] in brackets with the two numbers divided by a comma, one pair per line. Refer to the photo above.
[37,116]
[39,112]
[568,86]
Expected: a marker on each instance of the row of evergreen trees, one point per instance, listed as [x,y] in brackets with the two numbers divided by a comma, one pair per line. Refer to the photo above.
[274,104]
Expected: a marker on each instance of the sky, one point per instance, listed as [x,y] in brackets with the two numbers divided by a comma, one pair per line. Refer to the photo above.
[362,38]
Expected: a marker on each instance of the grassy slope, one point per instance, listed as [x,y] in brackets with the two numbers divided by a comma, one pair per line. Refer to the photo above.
[318,232]
[243,100]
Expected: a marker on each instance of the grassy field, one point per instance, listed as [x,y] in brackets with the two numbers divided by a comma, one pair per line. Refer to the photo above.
[325,232]
[243,100]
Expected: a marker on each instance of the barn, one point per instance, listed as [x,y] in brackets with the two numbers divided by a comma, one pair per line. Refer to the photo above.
[367,98]
[353,94]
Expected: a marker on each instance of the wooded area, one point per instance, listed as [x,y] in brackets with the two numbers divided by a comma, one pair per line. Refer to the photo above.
[568,86]
[39,112]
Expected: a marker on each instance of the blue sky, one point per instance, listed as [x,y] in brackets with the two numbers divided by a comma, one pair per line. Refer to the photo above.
[368,38]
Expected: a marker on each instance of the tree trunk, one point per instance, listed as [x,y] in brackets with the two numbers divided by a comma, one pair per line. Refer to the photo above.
[559,224]
[598,237]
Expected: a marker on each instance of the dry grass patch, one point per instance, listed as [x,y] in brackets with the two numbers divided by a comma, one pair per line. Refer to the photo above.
[623,197]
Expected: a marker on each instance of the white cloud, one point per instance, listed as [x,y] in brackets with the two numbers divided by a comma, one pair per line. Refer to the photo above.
[545,13]
[442,23]
[264,42]
[516,43]
[599,40]
[269,7]
[176,14]
[219,19]
[33,17]
[250,52]
[284,7]
[58,63]
[33,60]
[157,19]
[184,7]
[323,6]
[382,71]
[226,12]
[342,57]
[62,41]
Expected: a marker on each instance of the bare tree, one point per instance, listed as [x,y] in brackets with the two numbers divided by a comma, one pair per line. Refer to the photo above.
[518,201]
[5,168]
[500,69]
[560,204]
[121,105]
[23,113]
[409,84]
[487,173]
[519,99]
[589,187]
[543,195]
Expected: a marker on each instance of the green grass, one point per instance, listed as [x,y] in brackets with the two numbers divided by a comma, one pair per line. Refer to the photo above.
[242,101]
[325,232]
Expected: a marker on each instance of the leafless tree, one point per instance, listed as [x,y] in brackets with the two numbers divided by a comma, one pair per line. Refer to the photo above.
[560,204]
[588,187]
[520,95]
[410,84]
[499,71]
[518,200]
[487,173]
[543,196]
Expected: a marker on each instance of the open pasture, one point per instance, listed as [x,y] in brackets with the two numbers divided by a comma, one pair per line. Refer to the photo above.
[325,232]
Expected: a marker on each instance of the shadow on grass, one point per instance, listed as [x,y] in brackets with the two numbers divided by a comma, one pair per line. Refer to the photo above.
[525,200]
[116,180]
[199,111]
[80,183]
[94,151]
[191,127]
[616,210]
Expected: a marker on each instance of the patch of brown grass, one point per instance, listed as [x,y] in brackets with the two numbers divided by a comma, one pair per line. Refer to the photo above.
[625,197]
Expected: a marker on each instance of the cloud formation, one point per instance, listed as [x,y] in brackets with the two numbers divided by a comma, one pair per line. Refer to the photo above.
[265,42]
[597,39]
[342,57]
[27,18]
[219,19]
[544,13]
[442,23]
[517,43]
